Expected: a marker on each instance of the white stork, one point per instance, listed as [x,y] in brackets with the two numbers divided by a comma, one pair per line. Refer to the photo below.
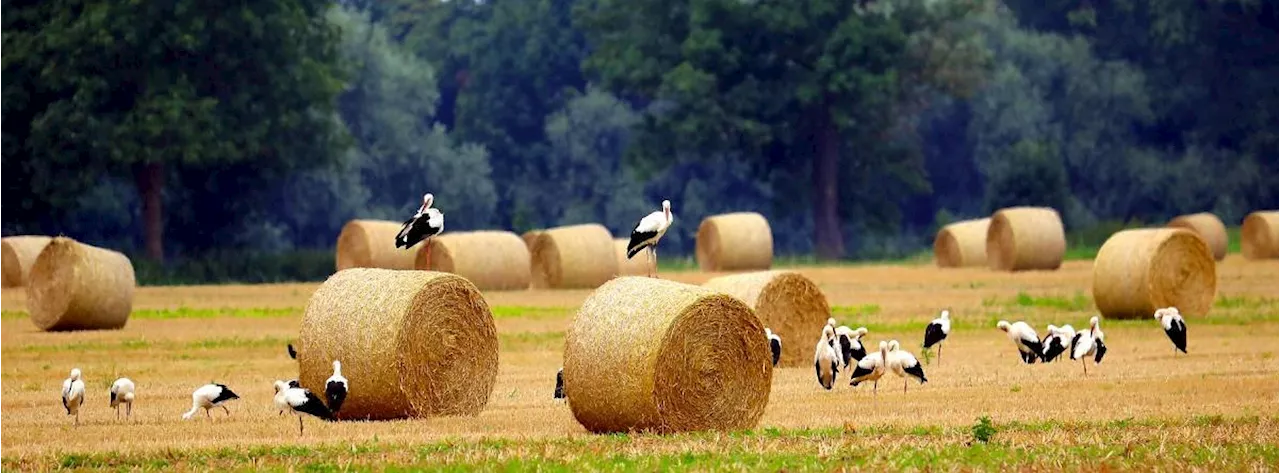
[1024,337]
[122,393]
[647,233]
[208,397]
[849,345]
[775,345]
[425,223]
[73,394]
[871,368]
[904,364]
[302,401]
[1055,342]
[826,363]
[1174,327]
[559,392]
[1089,342]
[937,331]
[335,388]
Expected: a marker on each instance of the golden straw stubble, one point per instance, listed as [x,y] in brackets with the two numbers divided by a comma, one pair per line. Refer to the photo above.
[1139,271]
[75,286]
[646,354]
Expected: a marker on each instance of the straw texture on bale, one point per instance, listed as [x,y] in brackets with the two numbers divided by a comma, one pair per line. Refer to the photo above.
[489,259]
[787,302]
[372,244]
[1139,271]
[17,254]
[1209,227]
[529,237]
[645,354]
[413,343]
[638,266]
[1023,238]
[1258,235]
[739,241]
[74,286]
[962,244]
[576,256]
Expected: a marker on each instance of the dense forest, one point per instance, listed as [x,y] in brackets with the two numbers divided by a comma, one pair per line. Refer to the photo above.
[188,128]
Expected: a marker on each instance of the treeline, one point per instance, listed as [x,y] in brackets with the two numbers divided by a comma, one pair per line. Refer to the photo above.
[191,129]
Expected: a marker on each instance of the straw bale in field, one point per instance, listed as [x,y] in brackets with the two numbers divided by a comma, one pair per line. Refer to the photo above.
[576,256]
[1139,271]
[529,237]
[962,244]
[372,244]
[17,254]
[1258,235]
[489,259]
[788,303]
[1209,227]
[1023,238]
[734,242]
[74,286]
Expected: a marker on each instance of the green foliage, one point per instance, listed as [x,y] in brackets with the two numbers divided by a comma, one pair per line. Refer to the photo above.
[982,430]
[237,266]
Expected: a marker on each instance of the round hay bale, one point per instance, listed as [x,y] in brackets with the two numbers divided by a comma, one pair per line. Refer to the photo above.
[17,254]
[414,343]
[489,259]
[638,266]
[734,242]
[529,237]
[962,244]
[1023,238]
[1209,227]
[1258,235]
[645,354]
[1138,271]
[74,286]
[372,244]
[788,303]
[576,256]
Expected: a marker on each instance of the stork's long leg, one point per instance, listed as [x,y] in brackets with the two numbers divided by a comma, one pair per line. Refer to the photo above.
[299,425]
[128,410]
[207,415]
[225,409]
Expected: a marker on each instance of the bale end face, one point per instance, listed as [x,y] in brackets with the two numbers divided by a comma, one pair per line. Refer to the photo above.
[1208,227]
[734,242]
[17,255]
[790,304]
[962,244]
[1260,235]
[1026,238]
[75,286]
[1139,271]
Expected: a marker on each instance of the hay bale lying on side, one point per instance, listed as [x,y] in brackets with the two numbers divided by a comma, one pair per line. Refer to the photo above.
[17,254]
[372,244]
[962,244]
[638,266]
[576,256]
[788,303]
[1022,238]
[74,286]
[413,343]
[656,355]
[735,242]
[1208,227]
[1258,235]
[1139,271]
[529,237]
[489,259]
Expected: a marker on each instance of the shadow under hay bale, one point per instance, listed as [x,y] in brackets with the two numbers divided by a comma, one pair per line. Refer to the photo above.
[1259,237]
[17,255]
[637,266]
[739,241]
[372,244]
[645,354]
[962,244]
[1026,238]
[576,256]
[1139,271]
[74,286]
[489,259]
[412,343]
[788,303]
[1208,227]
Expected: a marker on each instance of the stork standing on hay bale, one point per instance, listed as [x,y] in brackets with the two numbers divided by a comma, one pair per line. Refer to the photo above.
[424,224]
[647,233]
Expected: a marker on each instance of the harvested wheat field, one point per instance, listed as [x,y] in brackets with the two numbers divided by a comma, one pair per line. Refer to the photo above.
[1143,408]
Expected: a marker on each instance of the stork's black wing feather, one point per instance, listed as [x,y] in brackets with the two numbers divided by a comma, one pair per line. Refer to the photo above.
[933,334]
[315,407]
[292,353]
[336,393]
[1178,335]
[559,394]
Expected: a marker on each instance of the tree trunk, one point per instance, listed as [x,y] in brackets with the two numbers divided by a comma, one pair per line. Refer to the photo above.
[826,195]
[150,180]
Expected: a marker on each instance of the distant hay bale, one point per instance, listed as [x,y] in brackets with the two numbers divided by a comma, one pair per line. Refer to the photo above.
[74,286]
[1208,227]
[413,343]
[788,303]
[735,242]
[962,244]
[17,254]
[529,237]
[638,266]
[489,259]
[372,244]
[645,354]
[1258,235]
[1139,271]
[1023,238]
[576,256]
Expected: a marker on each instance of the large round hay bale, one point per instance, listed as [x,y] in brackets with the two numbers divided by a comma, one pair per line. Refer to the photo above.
[962,244]
[1139,271]
[74,286]
[734,242]
[1209,227]
[788,303]
[638,266]
[1258,235]
[17,254]
[413,343]
[1023,238]
[576,256]
[529,237]
[647,354]
[489,259]
[372,244]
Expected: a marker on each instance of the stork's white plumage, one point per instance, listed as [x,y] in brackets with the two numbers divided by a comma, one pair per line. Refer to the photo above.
[1024,337]
[73,394]
[425,223]
[1176,328]
[904,364]
[1089,342]
[826,363]
[208,397]
[122,393]
[775,345]
[301,401]
[278,400]
[1055,342]
[648,232]
[849,345]
[335,388]
[871,368]
[937,331]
